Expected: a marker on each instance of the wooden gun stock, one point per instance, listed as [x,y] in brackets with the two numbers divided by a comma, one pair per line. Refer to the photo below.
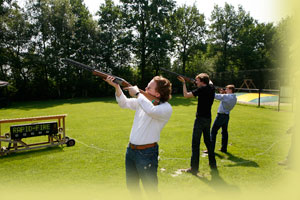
[188,79]
[104,75]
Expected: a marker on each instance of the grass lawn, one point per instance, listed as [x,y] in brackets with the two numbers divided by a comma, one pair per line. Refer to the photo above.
[95,166]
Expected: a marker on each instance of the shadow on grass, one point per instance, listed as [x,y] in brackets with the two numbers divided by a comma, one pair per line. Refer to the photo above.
[30,153]
[217,182]
[238,161]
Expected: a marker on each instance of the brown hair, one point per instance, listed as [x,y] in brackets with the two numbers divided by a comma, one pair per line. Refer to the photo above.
[163,87]
[203,78]
[231,87]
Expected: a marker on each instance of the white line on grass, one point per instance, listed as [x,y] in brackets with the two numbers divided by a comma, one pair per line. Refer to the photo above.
[90,146]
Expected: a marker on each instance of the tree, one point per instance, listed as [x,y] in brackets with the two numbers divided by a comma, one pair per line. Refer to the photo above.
[144,21]
[285,51]
[5,10]
[114,47]
[189,29]
[15,38]
[222,31]
[62,29]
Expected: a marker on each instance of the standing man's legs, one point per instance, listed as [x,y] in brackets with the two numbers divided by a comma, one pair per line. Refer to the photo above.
[225,133]
[214,131]
[132,176]
[208,143]
[197,131]
[147,164]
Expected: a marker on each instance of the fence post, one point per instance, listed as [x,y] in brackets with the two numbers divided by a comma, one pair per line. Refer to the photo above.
[279,100]
[259,90]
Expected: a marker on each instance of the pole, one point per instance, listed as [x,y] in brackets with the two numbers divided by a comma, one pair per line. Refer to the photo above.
[278,100]
[259,90]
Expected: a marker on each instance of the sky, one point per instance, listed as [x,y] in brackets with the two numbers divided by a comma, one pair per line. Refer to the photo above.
[264,11]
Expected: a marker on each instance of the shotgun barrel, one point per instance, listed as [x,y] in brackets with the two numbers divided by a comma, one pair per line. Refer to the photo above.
[104,75]
[188,79]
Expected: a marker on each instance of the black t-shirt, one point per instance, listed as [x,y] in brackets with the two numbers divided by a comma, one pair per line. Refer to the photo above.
[206,95]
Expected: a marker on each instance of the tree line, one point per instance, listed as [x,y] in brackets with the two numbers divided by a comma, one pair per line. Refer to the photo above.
[131,39]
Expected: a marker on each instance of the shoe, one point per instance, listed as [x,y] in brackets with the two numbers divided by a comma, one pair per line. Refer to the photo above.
[205,151]
[224,151]
[284,162]
[213,167]
[190,170]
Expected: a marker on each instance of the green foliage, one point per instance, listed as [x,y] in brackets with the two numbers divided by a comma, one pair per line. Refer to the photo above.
[242,44]
[146,22]
[188,27]
[132,39]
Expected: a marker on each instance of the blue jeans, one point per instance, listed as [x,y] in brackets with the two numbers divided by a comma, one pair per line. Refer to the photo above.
[201,125]
[142,165]
[220,121]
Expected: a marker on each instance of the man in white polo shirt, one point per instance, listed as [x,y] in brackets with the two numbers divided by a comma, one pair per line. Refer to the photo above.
[142,151]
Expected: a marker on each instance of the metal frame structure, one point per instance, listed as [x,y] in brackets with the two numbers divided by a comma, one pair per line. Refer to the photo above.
[15,145]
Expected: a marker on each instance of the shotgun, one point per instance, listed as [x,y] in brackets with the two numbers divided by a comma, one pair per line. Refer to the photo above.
[191,80]
[104,75]
[188,79]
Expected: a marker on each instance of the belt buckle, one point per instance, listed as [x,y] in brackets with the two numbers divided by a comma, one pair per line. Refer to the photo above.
[132,146]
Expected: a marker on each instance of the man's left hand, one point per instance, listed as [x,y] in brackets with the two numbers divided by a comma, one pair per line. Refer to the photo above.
[132,90]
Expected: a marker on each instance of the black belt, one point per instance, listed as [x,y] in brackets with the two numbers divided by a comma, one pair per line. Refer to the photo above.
[222,114]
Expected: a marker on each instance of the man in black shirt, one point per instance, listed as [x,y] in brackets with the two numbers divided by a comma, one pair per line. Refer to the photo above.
[205,93]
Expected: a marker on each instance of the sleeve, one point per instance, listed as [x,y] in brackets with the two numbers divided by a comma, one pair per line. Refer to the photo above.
[220,97]
[160,112]
[196,92]
[124,102]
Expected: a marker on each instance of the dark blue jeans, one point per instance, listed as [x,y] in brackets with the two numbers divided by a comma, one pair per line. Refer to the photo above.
[142,165]
[201,125]
[220,121]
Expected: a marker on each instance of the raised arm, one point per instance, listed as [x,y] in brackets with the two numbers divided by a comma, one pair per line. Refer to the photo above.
[122,100]
[186,94]
[160,112]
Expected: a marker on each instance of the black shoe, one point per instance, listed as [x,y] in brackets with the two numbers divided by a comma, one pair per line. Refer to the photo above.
[214,166]
[190,170]
[222,150]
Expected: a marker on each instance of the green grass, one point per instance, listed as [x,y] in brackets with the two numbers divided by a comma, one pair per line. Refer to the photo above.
[257,142]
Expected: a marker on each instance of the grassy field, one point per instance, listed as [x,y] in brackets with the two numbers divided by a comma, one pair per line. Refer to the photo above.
[95,165]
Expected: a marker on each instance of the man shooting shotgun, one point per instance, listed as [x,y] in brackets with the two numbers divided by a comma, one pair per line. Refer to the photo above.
[104,76]
[205,92]
[141,161]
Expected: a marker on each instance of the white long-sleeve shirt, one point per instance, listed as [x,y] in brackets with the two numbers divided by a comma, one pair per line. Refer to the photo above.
[148,120]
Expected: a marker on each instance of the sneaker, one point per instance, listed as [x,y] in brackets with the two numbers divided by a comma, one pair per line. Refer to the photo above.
[190,170]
